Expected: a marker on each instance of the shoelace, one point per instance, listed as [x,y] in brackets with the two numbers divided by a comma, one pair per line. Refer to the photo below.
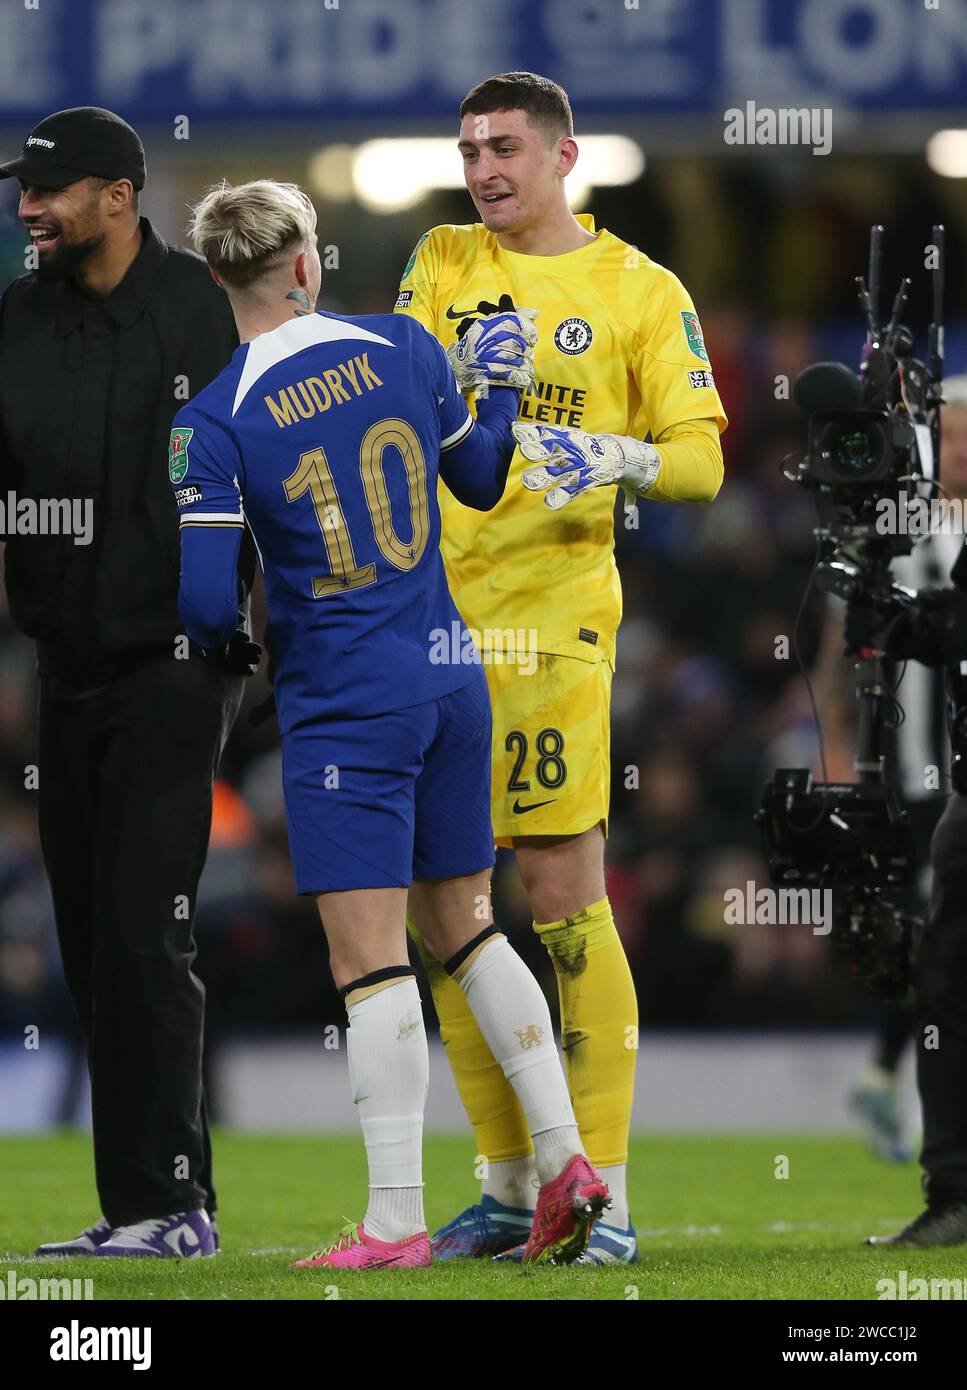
[345,1240]
[474,1216]
[479,1223]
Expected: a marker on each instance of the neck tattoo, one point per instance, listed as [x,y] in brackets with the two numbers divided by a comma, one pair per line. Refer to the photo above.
[302,298]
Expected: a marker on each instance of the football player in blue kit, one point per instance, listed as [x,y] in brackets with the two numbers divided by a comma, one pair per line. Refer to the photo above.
[327,435]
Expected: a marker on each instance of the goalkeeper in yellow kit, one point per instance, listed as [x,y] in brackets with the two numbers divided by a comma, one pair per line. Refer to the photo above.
[619,356]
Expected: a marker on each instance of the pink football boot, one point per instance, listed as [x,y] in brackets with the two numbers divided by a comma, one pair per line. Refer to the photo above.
[567,1208]
[354,1249]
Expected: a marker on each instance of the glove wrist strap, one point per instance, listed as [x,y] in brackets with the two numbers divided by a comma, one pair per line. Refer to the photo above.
[640,466]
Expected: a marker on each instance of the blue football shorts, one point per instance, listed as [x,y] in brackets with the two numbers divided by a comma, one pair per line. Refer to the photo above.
[376,801]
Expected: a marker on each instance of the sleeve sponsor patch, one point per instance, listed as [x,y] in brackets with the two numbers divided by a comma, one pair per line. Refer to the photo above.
[693,335]
[178,453]
[187,496]
[699,379]
[404,298]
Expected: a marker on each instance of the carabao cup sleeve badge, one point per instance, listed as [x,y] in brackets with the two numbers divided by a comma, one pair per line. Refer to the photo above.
[693,335]
[178,454]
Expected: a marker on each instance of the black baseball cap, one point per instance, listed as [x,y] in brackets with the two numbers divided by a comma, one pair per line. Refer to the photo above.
[73,144]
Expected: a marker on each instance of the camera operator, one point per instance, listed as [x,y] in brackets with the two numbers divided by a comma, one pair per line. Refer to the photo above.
[933,632]
[919,763]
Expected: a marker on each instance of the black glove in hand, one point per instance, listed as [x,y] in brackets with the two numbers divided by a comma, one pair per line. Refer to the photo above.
[240,656]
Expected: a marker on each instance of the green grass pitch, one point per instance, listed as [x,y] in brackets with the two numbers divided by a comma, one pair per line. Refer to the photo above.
[714,1222]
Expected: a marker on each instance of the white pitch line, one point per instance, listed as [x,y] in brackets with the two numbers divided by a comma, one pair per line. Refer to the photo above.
[775,1228]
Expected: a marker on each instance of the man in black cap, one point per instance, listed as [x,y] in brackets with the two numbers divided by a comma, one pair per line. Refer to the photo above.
[99,346]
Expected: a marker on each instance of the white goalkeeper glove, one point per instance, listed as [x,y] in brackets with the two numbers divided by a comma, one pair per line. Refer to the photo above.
[573,461]
[496,351]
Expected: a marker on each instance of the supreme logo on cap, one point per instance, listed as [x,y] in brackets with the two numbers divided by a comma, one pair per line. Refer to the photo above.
[39,140]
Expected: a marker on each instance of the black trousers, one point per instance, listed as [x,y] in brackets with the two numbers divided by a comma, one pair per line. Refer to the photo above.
[125,779]
[941,1031]
[897,1020]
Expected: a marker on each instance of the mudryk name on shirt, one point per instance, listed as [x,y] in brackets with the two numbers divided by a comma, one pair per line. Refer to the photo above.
[315,394]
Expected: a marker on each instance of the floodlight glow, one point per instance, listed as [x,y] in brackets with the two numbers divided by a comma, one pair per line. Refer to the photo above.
[392,175]
[331,173]
[947,153]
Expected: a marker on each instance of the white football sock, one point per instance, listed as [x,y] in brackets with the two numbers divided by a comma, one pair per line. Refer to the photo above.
[394,1213]
[617,1180]
[553,1148]
[512,1181]
[513,1016]
[389,1070]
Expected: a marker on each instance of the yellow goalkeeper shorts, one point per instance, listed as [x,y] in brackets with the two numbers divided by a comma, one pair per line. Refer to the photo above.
[551,746]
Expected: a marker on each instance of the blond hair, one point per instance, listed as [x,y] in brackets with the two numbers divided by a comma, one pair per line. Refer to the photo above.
[244,231]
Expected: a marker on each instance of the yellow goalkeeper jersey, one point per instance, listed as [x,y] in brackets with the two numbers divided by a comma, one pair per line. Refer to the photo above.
[619,351]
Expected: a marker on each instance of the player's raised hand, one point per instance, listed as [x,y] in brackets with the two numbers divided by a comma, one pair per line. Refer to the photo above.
[574,461]
[497,350]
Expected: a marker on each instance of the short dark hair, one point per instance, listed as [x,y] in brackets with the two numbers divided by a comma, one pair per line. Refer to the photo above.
[545,102]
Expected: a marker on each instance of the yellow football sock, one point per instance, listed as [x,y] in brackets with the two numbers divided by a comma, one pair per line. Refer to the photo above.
[492,1107]
[599,1027]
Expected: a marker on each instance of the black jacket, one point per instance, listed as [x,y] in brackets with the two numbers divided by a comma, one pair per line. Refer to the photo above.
[88,390]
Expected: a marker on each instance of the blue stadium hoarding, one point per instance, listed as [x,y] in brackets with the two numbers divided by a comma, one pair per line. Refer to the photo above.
[230,60]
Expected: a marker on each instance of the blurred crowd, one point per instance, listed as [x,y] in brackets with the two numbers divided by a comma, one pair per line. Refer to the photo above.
[708,698]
